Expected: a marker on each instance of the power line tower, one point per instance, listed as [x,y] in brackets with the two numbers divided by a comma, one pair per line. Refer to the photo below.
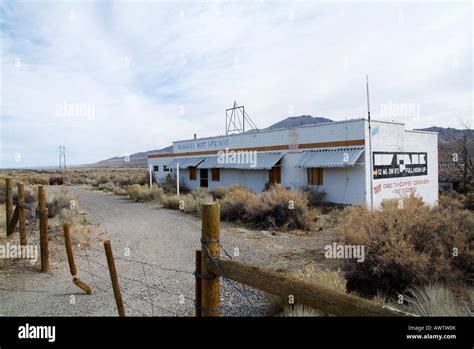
[62,157]
[236,120]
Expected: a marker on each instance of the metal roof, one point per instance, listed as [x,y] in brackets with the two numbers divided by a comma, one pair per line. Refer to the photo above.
[185,162]
[243,161]
[340,157]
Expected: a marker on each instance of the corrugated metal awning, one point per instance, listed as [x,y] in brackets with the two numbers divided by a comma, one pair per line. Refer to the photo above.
[340,157]
[243,161]
[185,162]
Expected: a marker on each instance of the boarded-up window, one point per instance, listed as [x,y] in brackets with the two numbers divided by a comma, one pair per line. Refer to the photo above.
[315,176]
[274,174]
[192,173]
[215,174]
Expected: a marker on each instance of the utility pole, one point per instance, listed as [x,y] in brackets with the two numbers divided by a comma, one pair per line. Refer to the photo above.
[371,170]
[62,157]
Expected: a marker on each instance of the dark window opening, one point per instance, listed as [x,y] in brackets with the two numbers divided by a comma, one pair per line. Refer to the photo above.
[315,176]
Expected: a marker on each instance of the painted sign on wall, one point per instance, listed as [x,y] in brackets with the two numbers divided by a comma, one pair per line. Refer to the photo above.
[399,164]
[204,144]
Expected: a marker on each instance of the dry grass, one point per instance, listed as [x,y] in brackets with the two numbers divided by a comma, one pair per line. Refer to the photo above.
[435,300]
[92,176]
[407,246]
[333,279]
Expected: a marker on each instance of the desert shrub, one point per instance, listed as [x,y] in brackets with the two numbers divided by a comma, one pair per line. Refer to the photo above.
[133,192]
[279,208]
[276,208]
[201,194]
[108,187]
[142,193]
[315,197]
[119,191]
[405,247]
[234,205]
[469,201]
[30,195]
[185,203]
[435,300]
[189,203]
[172,202]
[451,200]
[169,185]
[66,215]
[60,200]
[218,193]
[101,180]
[124,182]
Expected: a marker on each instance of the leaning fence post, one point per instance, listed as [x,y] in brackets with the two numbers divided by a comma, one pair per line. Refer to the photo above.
[197,293]
[21,213]
[70,259]
[210,249]
[43,212]
[70,255]
[114,277]
[9,201]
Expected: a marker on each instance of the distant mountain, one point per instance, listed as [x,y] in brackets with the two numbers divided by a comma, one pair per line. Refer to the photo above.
[295,121]
[134,160]
[447,141]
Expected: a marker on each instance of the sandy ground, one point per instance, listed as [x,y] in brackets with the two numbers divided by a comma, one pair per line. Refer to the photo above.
[157,276]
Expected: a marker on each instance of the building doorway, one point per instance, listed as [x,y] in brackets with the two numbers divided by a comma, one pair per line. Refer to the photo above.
[274,174]
[204,177]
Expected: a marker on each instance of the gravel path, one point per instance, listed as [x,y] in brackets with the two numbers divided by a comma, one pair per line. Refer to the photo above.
[154,251]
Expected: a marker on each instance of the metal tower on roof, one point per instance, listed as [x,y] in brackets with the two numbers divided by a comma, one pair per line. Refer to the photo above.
[237,120]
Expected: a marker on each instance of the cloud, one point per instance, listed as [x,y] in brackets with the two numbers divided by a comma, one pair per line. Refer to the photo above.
[159,71]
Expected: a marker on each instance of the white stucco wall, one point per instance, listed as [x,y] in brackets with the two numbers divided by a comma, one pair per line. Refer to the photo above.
[335,131]
[388,137]
[342,185]
[160,175]
[253,179]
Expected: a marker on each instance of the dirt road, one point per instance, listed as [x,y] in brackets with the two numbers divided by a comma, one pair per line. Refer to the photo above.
[154,250]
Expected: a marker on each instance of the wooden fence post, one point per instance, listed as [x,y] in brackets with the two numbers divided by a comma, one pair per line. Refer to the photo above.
[9,202]
[197,293]
[210,248]
[70,255]
[114,277]
[81,285]
[44,243]
[21,213]
[70,259]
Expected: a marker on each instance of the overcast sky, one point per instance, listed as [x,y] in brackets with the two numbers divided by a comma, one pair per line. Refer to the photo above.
[115,79]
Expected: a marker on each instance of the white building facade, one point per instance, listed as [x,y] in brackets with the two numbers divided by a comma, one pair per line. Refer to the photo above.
[331,157]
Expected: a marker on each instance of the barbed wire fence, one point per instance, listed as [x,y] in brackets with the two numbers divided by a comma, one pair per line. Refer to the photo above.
[243,298]
[148,289]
